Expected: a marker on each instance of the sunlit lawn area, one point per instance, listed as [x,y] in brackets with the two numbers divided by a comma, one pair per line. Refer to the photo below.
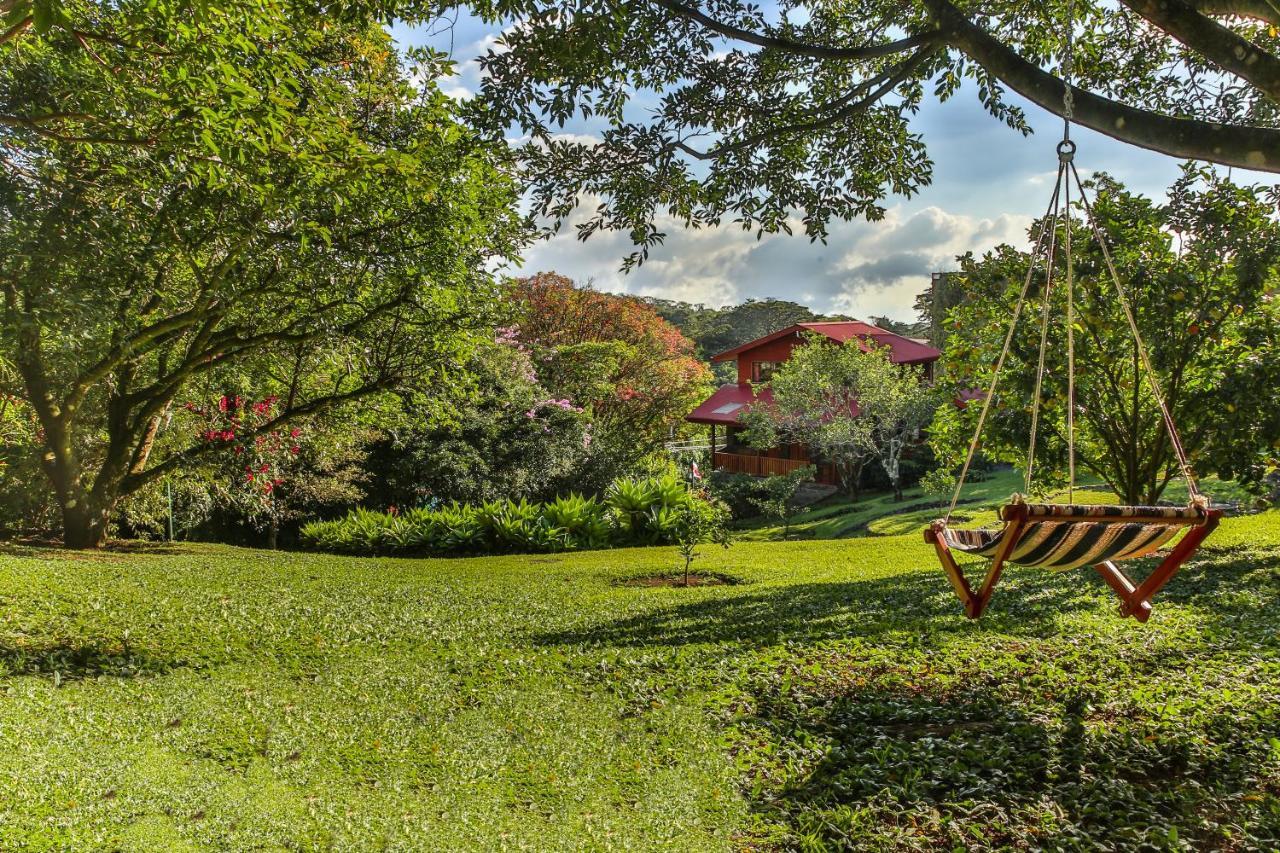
[209,697]
[878,514]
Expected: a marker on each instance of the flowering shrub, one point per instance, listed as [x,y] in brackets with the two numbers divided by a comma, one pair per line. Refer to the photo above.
[538,410]
[256,460]
[634,373]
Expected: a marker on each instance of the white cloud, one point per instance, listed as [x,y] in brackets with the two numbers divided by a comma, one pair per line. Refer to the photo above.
[866,267]
[581,138]
[464,82]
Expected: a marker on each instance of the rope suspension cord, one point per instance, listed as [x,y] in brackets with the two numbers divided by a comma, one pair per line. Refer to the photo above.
[1068,149]
[1071,353]
[1008,341]
[1046,298]
[1193,491]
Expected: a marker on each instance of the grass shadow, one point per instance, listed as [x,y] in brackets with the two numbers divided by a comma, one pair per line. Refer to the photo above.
[114,550]
[76,659]
[676,578]
[914,602]
[917,754]
[1217,574]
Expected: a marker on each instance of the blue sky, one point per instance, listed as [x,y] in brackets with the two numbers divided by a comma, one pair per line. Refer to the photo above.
[989,182]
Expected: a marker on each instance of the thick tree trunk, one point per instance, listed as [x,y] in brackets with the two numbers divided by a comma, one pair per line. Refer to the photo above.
[84,527]
[84,520]
[851,479]
[86,513]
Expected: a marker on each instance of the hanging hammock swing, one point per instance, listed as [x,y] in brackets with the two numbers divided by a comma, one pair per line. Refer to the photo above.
[1068,536]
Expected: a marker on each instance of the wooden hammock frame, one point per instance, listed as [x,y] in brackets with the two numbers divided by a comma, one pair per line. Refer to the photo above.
[1135,598]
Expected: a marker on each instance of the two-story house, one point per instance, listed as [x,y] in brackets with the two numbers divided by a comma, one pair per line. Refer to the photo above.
[756,361]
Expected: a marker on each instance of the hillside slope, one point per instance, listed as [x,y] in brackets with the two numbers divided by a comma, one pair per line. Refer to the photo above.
[204,697]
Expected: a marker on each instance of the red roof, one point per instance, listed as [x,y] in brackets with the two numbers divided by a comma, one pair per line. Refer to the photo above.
[727,404]
[903,350]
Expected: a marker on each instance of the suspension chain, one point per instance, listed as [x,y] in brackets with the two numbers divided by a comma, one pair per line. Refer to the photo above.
[1068,72]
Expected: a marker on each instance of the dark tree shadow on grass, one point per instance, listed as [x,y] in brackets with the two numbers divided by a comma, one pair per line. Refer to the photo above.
[116,550]
[919,602]
[1235,581]
[904,759]
[78,658]
[1234,587]
[1030,738]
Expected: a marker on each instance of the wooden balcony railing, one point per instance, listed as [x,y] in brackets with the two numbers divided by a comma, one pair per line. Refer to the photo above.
[743,463]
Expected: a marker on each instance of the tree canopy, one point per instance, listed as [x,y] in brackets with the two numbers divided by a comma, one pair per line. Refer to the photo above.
[292,208]
[759,116]
[1202,273]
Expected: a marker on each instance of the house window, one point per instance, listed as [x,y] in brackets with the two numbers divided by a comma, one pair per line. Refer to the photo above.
[762,371]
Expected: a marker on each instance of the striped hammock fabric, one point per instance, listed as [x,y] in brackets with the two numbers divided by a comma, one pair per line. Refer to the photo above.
[1069,538]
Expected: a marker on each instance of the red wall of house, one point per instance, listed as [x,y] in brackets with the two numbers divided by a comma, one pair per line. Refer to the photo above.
[779,350]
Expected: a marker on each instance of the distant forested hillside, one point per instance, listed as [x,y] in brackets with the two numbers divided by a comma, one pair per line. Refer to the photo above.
[715,330]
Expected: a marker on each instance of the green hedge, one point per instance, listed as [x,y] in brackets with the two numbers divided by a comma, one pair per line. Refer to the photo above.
[632,512]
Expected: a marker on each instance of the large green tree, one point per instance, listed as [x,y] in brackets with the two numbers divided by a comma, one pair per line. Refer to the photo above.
[737,324]
[761,114]
[1202,272]
[273,191]
[715,330]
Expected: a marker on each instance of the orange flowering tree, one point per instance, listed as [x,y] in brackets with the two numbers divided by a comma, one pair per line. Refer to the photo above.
[632,371]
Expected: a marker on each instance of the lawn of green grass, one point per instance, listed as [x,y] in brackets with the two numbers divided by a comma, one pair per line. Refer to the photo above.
[878,514]
[207,697]
[838,516]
